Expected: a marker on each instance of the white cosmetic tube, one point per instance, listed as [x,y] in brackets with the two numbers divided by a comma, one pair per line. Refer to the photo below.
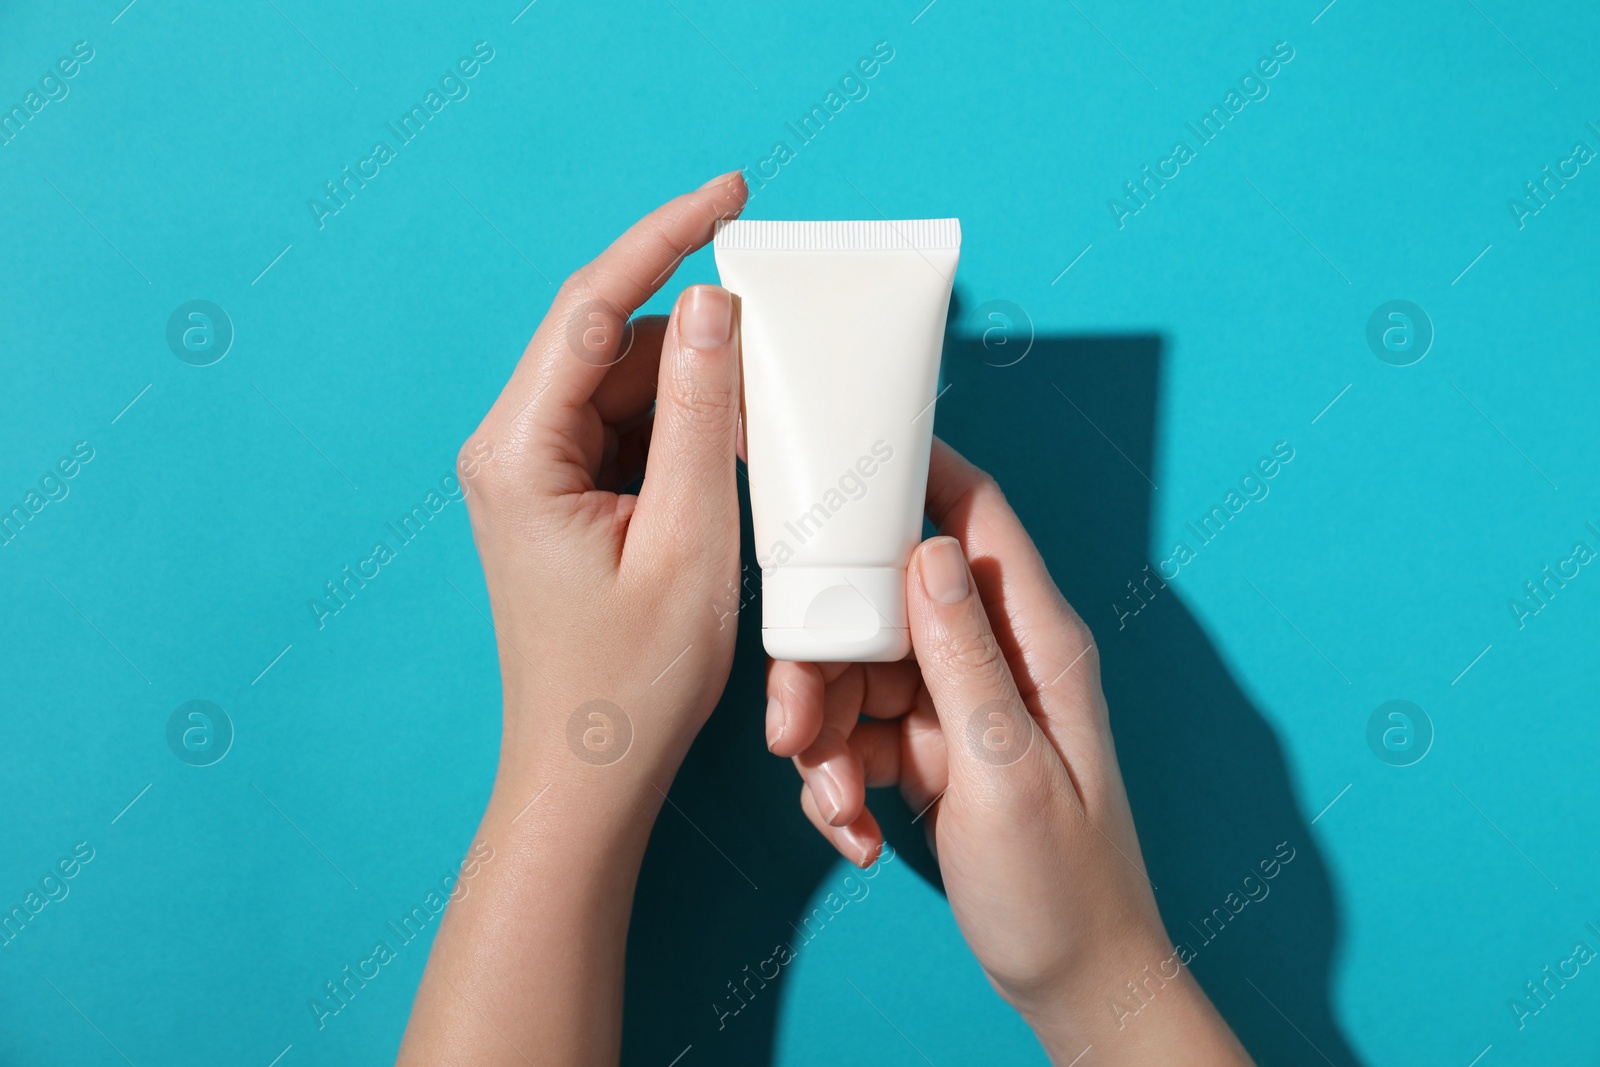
[842,324]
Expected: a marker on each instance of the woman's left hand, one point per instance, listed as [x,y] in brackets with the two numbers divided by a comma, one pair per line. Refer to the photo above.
[615,617]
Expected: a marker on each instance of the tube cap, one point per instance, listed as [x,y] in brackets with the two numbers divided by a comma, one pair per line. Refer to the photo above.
[835,614]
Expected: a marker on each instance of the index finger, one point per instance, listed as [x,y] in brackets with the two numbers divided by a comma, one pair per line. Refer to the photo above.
[582,334]
[1043,636]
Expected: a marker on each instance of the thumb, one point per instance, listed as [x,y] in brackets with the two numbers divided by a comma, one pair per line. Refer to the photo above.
[995,748]
[690,495]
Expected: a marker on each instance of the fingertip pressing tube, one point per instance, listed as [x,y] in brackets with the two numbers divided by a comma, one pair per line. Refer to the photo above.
[842,324]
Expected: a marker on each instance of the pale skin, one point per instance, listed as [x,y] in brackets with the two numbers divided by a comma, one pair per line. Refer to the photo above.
[599,594]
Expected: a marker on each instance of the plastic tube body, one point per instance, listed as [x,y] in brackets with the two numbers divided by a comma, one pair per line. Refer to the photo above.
[842,325]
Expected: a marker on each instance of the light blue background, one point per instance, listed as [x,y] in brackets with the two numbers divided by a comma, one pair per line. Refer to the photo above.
[1381,565]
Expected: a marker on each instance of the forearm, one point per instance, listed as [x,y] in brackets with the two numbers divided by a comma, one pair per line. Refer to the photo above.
[528,963]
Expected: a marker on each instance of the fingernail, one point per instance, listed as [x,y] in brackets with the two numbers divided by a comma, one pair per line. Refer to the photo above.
[776,724]
[867,851]
[944,570]
[829,797]
[717,180]
[706,320]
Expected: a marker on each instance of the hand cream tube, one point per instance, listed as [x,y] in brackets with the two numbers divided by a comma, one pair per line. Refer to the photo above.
[841,329]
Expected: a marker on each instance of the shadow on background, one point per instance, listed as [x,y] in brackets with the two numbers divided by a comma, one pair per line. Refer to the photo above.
[1205,773]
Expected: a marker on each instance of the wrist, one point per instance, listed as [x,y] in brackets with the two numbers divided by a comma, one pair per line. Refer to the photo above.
[598,735]
[549,800]
[1144,1007]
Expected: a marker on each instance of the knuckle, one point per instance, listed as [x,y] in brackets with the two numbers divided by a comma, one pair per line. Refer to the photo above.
[1079,637]
[576,287]
[665,251]
[474,453]
[702,399]
[594,327]
[1033,793]
[972,652]
[988,488]
[983,490]
[483,480]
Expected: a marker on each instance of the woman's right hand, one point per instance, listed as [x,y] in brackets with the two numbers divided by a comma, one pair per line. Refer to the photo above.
[998,733]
